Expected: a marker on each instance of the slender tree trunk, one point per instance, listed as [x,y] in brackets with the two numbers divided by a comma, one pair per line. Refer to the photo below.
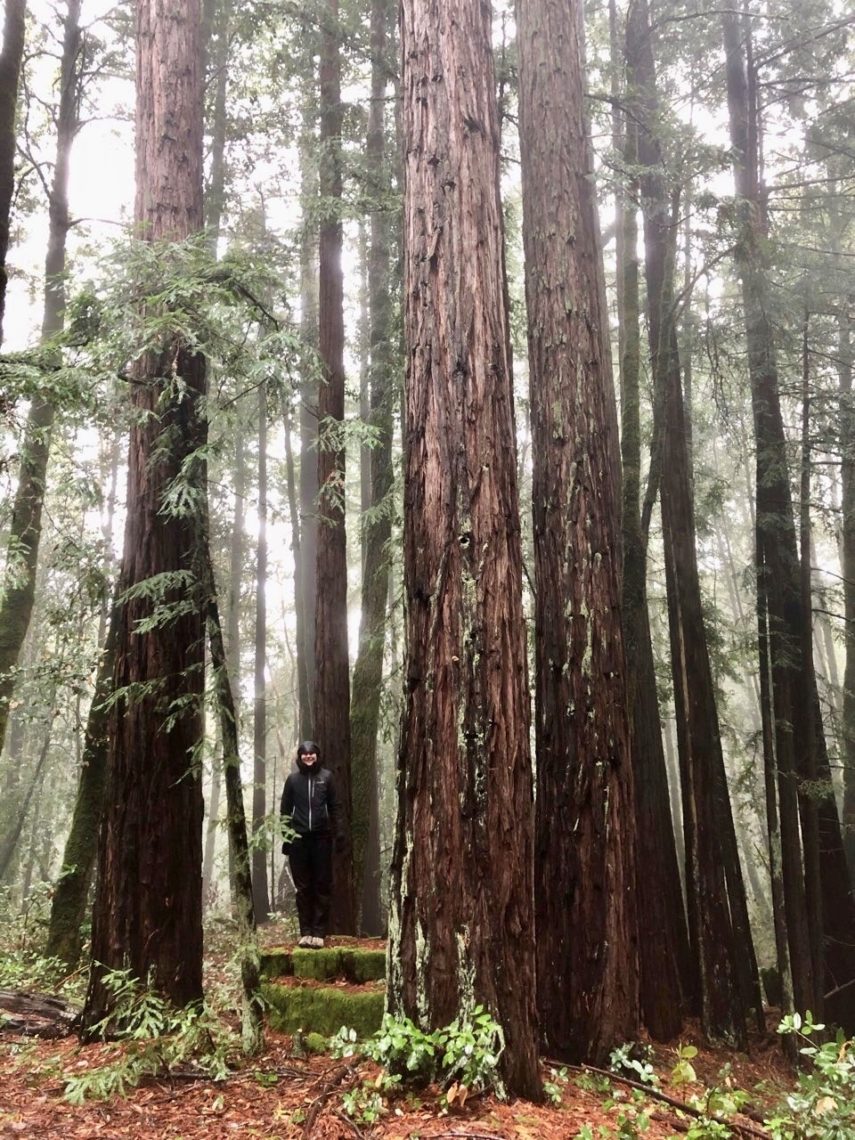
[305,573]
[68,908]
[218,29]
[461,920]
[585,886]
[260,894]
[236,550]
[668,978]
[368,670]
[252,1021]
[148,905]
[795,715]
[10,73]
[332,663]
[12,835]
[847,559]
[26,527]
[717,909]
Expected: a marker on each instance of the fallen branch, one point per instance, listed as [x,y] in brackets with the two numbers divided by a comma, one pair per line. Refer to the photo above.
[329,1086]
[681,1106]
[357,1132]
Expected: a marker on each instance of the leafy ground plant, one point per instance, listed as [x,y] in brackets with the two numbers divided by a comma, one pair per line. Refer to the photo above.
[462,1058]
[156,1038]
[822,1106]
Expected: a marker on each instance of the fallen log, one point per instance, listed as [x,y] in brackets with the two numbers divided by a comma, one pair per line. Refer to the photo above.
[39,1015]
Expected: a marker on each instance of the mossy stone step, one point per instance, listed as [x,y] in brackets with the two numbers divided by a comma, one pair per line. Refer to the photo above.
[323,1009]
[353,964]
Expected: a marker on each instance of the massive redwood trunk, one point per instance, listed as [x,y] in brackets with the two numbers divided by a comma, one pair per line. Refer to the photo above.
[332,664]
[148,907]
[585,828]
[461,922]
[377,527]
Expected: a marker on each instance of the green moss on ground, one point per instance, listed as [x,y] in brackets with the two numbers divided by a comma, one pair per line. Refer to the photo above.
[322,1009]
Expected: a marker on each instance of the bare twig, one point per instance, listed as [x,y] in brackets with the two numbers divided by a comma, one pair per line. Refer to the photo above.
[656,1094]
[330,1084]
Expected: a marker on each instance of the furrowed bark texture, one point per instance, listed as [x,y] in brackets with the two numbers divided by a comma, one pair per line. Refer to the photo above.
[667,977]
[148,907]
[332,664]
[461,922]
[10,72]
[368,670]
[585,830]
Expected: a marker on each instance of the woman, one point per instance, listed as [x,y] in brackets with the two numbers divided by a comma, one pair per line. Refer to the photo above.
[310,808]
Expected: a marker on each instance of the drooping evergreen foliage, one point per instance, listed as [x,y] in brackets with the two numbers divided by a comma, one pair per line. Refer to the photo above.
[378,464]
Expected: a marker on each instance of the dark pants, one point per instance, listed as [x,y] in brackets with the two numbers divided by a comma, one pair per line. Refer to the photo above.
[310,858]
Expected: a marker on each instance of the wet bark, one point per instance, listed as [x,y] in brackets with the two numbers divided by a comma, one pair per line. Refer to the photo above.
[584,823]
[368,670]
[668,978]
[148,906]
[461,918]
[332,664]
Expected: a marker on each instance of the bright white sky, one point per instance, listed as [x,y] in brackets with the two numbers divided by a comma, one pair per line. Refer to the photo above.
[101,184]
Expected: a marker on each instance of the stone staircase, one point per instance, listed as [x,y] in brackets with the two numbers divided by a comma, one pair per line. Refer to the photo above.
[318,991]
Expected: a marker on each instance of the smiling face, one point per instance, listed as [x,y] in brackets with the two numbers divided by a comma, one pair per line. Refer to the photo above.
[309,758]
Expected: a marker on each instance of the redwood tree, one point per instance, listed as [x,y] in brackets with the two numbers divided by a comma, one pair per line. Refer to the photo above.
[377,527]
[332,665]
[816,878]
[461,922]
[584,847]
[148,906]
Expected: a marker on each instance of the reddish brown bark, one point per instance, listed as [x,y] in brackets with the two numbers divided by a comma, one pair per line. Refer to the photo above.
[584,890]
[148,908]
[332,663]
[461,922]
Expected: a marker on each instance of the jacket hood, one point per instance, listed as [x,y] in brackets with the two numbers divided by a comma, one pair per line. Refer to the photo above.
[308,746]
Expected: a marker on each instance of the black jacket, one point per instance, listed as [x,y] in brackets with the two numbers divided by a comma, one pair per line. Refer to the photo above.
[309,802]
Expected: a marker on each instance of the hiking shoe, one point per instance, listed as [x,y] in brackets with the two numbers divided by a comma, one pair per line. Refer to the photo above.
[317,943]
[306,941]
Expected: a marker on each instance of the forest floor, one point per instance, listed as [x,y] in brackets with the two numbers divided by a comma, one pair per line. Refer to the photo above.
[283,1097]
[284,1094]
